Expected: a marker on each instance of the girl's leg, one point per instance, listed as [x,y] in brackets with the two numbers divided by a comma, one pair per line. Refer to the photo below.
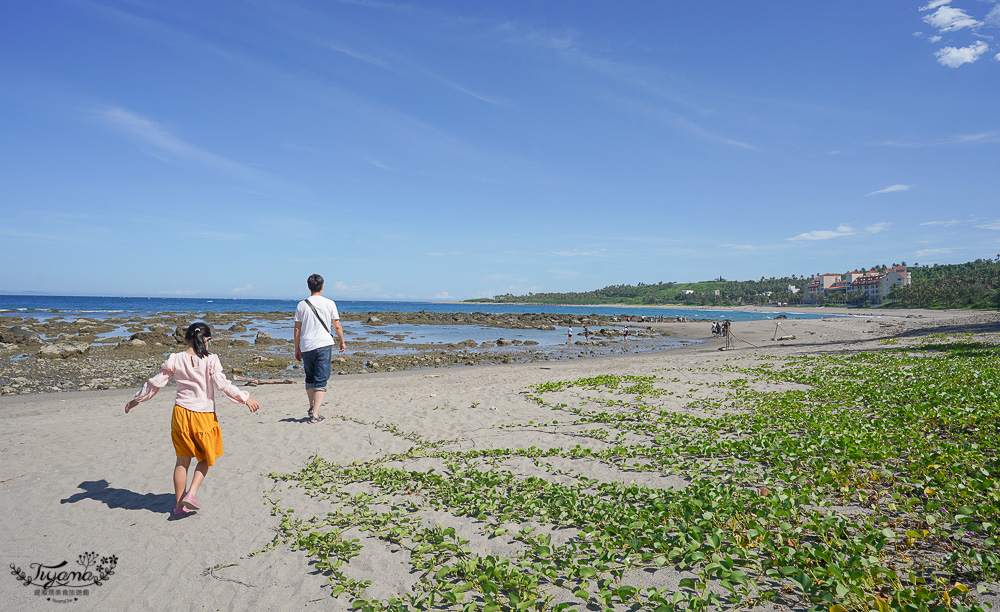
[200,471]
[181,477]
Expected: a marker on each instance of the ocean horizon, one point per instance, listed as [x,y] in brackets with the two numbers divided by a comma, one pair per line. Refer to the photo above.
[108,305]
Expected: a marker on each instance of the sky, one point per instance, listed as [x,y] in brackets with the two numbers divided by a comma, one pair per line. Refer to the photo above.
[451,150]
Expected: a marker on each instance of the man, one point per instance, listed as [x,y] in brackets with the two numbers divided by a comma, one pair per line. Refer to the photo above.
[314,342]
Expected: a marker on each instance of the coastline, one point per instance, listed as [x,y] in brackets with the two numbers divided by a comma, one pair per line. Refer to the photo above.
[114,498]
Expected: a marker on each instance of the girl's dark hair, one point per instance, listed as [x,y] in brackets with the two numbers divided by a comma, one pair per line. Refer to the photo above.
[196,335]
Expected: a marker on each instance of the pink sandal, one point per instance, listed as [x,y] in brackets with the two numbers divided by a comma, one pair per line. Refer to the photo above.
[181,511]
[190,502]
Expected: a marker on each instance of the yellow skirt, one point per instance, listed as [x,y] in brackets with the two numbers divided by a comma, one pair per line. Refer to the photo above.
[196,434]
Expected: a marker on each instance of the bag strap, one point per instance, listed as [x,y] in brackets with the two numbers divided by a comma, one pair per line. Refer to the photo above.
[319,318]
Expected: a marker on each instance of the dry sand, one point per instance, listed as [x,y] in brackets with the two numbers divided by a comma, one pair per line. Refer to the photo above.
[78,475]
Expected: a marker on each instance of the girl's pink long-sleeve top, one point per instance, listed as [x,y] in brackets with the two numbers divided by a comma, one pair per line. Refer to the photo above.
[196,379]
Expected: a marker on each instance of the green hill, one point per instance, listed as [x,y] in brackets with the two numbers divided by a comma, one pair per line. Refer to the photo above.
[975,284]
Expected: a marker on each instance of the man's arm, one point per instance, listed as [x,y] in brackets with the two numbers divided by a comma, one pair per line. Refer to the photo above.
[340,334]
[297,335]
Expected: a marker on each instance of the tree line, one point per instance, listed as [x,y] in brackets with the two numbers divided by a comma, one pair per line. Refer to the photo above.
[975,284]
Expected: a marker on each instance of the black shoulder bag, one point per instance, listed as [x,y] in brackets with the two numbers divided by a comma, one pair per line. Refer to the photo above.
[319,318]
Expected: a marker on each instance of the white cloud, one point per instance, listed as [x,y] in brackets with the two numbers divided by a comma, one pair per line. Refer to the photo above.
[953,57]
[927,252]
[993,17]
[930,6]
[842,230]
[161,144]
[941,223]
[949,19]
[243,288]
[890,189]
[444,296]
[990,225]
[740,247]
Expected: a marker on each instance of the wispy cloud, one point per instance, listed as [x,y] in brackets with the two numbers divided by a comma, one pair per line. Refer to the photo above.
[649,83]
[941,223]
[890,189]
[958,139]
[364,57]
[841,231]
[953,57]
[929,252]
[990,225]
[158,142]
[28,235]
[243,289]
[739,247]
[401,65]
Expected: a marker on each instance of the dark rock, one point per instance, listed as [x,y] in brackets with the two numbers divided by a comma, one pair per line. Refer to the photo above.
[19,335]
[239,327]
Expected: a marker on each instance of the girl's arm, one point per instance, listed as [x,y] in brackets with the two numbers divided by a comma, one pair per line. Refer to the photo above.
[230,390]
[152,385]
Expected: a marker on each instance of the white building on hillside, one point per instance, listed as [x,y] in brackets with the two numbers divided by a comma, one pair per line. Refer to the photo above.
[874,285]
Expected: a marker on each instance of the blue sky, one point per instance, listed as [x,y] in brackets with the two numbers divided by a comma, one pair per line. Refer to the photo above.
[449,150]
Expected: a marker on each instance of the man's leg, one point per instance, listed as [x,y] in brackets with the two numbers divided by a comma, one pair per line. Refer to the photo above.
[321,375]
[309,365]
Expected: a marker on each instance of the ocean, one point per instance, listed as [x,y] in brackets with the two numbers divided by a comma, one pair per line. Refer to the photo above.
[100,306]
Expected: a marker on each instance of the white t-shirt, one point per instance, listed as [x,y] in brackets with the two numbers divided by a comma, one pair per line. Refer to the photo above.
[312,335]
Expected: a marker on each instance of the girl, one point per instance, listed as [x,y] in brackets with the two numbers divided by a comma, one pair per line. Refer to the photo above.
[194,427]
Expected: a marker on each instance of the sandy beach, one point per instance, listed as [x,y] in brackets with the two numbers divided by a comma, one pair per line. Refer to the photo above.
[80,476]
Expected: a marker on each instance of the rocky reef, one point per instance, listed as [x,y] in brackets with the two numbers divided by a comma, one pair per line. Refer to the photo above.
[59,354]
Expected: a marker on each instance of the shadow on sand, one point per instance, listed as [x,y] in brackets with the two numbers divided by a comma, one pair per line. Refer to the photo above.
[102,491]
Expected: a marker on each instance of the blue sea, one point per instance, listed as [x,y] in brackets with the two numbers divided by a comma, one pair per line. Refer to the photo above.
[99,306]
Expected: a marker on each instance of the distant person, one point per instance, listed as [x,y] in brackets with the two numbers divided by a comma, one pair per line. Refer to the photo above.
[314,342]
[625,332]
[194,427]
[569,333]
[586,333]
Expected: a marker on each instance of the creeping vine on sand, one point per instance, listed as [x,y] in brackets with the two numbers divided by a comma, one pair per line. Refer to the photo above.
[871,483]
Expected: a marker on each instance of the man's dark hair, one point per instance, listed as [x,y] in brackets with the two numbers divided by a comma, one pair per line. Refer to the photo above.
[315,283]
